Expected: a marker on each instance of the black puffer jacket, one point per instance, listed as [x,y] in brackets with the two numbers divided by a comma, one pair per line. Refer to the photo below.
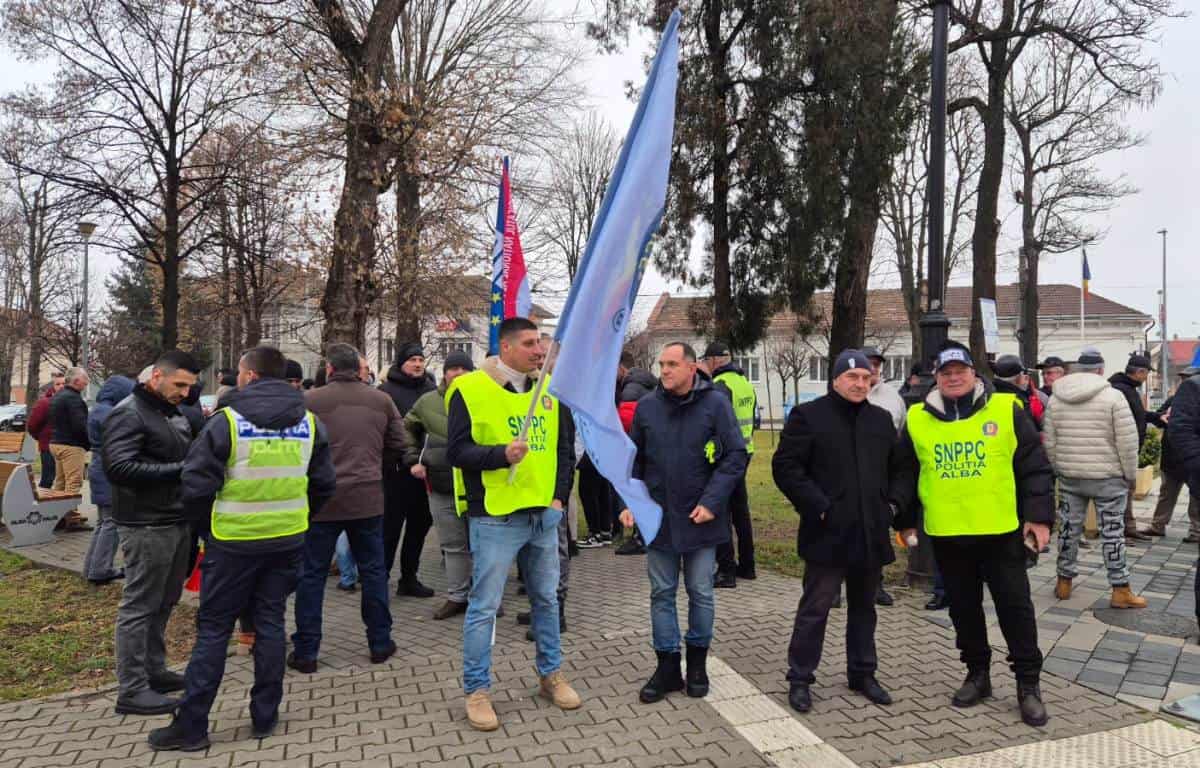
[1128,387]
[637,384]
[404,389]
[68,414]
[1183,430]
[145,442]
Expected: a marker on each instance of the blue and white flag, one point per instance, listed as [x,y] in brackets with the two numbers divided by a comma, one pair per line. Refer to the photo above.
[591,330]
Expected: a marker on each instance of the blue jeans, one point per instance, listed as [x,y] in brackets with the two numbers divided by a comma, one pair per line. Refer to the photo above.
[663,567]
[229,583]
[366,542]
[347,568]
[495,542]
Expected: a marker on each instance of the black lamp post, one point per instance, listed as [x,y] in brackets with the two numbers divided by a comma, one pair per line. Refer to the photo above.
[935,326]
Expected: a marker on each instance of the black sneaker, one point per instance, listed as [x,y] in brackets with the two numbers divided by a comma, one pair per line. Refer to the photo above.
[263,731]
[883,598]
[632,546]
[380,656]
[146,702]
[306,666]
[725,580]
[589,542]
[413,588]
[167,682]
[172,738]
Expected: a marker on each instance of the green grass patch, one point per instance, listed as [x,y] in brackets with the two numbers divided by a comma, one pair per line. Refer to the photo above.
[57,631]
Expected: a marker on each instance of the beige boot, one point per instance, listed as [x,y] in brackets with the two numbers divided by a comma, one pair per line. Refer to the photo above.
[556,688]
[1062,588]
[1123,598]
[480,713]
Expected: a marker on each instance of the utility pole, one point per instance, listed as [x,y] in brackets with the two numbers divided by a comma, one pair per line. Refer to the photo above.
[1164,372]
[935,326]
[86,228]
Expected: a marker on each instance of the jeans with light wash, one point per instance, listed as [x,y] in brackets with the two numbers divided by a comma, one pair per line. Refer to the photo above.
[663,567]
[495,542]
[1110,496]
[347,568]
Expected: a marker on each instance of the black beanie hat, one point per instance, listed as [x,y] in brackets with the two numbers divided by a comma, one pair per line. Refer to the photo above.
[458,360]
[409,349]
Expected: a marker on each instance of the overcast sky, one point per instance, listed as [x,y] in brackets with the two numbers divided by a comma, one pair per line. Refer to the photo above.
[1125,264]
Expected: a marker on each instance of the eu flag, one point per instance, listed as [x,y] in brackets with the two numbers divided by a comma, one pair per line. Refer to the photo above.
[591,330]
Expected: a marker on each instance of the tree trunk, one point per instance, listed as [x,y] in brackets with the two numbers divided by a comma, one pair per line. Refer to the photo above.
[850,283]
[1030,254]
[169,261]
[37,330]
[723,311]
[407,279]
[350,290]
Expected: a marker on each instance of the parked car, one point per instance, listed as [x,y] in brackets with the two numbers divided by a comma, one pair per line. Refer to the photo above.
[12,418]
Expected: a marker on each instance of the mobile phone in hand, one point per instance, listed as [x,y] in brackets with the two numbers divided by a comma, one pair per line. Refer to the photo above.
[1031,550]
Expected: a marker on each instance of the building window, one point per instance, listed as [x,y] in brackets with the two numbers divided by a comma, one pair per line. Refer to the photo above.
[749,366]
[450,345]
[818,369]
[896,368]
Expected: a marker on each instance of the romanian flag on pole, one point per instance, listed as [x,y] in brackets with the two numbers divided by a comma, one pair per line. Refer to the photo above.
[1087,275]
[510,283]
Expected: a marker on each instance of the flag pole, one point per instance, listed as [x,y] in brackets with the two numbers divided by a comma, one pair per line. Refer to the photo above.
[537,395]
[1082,290]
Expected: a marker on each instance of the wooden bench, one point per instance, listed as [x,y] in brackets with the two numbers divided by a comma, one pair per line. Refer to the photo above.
[31,512]
[17,446]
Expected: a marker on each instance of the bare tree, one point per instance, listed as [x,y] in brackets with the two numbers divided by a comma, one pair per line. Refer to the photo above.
[140,86]
[579,178]
[1064,115]
[1109,35]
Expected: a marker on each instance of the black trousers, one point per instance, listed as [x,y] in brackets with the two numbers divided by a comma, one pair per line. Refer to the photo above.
[47,470]
[822,583]
[595,494]
[966,564]
[739,521]
[405,510]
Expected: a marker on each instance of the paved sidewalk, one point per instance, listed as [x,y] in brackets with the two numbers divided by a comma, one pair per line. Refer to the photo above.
[408,712]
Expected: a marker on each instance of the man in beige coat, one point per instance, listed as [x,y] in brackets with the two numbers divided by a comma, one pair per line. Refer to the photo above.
[1092,441]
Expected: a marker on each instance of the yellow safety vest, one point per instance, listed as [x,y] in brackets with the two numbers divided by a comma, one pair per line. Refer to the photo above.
[496,418]
[265,495]
[744,401]
[966,482]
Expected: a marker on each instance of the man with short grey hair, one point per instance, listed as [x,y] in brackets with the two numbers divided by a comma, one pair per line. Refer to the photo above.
[1091,439]
[363,425]
[69,444]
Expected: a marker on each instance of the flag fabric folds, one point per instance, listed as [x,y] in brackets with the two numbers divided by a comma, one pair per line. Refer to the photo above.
[510,282]
[1087,275]
[591,330]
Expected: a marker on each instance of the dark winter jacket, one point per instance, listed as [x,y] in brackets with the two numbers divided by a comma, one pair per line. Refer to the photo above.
[363,427]
[39,424]
[463,452]
[145,441]
[1033,405]
[1169,460]
[68,414]
[404,389]
[115,389]
[638,383]
[1128,387]
[191,409]
[1183,430]
[836,463]
[671,434]
[268,404]
[1031,466]
[428,426]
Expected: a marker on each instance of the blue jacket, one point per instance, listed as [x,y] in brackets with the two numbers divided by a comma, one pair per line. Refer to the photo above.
[670,434]
[115,389]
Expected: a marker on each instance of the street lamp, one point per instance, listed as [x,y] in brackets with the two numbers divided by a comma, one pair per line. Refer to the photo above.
[935,326]
[1164,373]
[86,228]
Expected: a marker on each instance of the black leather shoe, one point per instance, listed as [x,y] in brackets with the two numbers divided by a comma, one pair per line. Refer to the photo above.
[883,598]
[173,738]
[667,678]
[800,698]
[413,588]
[382,655]
[263,731]
[748,573]
[307,666]
[976,688]
[1033,711]
[868,686]
[937,603]
[725,580]
[697,671]
[167,682]
[146,702]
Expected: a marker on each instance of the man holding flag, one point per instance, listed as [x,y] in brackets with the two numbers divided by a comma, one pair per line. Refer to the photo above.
[512,510]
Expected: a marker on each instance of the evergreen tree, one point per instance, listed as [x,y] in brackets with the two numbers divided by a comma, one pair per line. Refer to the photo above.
[130,337]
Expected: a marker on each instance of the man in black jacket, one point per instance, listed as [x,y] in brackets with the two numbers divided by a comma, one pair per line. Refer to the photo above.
[69,444]
[1183,430]
[254,523]
[974,462]
[405,502]
[691,455]
[1174,474]
[836,463]
[145,441]
[1137,370]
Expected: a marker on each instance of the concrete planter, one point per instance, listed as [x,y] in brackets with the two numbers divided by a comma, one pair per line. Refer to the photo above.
[1145,478]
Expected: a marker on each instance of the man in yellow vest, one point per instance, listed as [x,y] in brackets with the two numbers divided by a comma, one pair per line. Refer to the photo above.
[731,380]
[257,472]
[509,512]
[975,463]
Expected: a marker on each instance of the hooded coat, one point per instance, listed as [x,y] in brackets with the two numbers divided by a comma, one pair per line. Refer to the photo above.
[638,383]
[268,404]
[1090,432]
[428,427]
[1124,384]
[404,389]
[115,389]
[1183,430]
